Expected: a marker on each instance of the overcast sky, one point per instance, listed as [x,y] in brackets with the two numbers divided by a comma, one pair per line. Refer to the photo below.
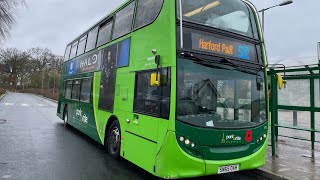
[290,31]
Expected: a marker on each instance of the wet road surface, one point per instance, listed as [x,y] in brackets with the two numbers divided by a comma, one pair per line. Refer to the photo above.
[34,144]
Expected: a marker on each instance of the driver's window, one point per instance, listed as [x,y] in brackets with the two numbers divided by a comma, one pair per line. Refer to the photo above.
[152,100]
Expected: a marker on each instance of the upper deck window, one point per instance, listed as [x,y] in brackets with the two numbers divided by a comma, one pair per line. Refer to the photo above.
[230,15]
[123,22]
[74,50]
[104,33]
[147,12]
[67,53]
[92,39]
[82,45]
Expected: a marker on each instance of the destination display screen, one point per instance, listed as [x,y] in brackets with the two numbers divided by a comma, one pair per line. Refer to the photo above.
[216,45]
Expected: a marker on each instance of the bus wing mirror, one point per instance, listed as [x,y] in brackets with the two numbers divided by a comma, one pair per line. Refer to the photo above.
[259,83]
[154,80]
[281,82]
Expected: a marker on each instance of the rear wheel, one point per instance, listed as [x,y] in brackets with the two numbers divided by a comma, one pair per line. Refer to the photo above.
[65,118]
[114,139]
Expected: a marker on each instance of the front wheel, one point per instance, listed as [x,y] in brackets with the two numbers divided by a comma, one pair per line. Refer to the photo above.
[114,139]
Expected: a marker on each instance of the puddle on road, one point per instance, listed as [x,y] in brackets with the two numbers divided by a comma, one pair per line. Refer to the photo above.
[2,121]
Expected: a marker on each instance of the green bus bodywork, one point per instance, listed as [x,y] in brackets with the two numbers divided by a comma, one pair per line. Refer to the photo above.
[153,143]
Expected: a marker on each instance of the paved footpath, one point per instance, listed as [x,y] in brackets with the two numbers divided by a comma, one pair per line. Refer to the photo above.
[35,145]
[294,160]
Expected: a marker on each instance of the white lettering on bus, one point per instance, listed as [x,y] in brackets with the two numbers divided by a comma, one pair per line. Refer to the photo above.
[233,137]
[89,61]
[83,118]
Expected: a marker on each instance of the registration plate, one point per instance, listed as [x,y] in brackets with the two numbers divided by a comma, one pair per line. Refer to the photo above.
[228,169]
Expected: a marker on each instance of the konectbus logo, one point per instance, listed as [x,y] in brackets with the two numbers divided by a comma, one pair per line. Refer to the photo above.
[230,138]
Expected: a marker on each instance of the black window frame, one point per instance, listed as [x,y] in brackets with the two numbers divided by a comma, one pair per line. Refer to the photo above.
[131,24]
[91,83]
[75,43]
[68,50]
[104,24]
[113,16]
[68,82]
[160,95]
[81,40]
[73,85]
[64,88]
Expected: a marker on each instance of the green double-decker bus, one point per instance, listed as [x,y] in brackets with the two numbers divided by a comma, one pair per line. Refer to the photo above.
[176,87]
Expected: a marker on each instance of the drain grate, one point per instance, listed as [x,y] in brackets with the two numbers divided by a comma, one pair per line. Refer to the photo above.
[2,121]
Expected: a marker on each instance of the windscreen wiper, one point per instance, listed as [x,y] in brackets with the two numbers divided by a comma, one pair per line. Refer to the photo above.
[240,68]
[225,63]
[205,62]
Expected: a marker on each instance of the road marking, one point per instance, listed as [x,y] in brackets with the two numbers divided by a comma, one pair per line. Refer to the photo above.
[40,105]
[51,104]
[6,176]
[26,105]
[9,104]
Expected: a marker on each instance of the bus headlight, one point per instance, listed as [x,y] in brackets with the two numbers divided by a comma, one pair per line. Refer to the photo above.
[193,145]
[261,138]
[187,141]
[189,145]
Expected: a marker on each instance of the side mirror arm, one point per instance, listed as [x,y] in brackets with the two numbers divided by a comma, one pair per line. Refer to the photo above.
[157,61]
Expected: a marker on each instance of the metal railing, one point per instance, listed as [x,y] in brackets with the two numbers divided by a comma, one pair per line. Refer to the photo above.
[302,95]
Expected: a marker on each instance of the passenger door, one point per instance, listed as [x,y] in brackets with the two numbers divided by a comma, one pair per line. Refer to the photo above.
[151,106]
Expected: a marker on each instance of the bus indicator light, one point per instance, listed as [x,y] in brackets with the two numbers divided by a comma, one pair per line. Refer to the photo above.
[248,136]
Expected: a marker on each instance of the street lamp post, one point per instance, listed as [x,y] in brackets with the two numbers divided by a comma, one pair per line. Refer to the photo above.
[319,52]
[286,2]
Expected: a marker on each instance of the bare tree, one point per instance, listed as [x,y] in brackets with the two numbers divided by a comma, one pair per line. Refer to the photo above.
[7,16]
[14,65]
[41,57]
[30,69]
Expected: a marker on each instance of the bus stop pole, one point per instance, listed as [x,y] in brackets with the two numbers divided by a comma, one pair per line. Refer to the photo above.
[312,104]
[274,110]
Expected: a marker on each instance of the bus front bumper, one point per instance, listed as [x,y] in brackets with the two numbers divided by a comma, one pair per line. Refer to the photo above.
[173,162]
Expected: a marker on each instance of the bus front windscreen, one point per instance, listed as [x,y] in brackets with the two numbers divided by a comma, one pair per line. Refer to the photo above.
[230,15]
[211,96]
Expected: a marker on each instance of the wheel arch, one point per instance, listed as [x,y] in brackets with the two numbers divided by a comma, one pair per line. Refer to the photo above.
[109,122]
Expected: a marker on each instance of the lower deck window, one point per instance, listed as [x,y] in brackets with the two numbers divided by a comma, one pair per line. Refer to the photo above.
[68,90]
[85,89]
[76,89]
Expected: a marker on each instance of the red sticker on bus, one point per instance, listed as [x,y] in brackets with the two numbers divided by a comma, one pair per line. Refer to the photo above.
[249,136]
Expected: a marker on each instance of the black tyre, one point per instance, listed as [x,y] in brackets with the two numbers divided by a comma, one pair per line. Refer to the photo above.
[113,144]
[65,118]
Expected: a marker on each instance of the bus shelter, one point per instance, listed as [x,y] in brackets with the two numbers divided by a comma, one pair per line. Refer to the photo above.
[295,108]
